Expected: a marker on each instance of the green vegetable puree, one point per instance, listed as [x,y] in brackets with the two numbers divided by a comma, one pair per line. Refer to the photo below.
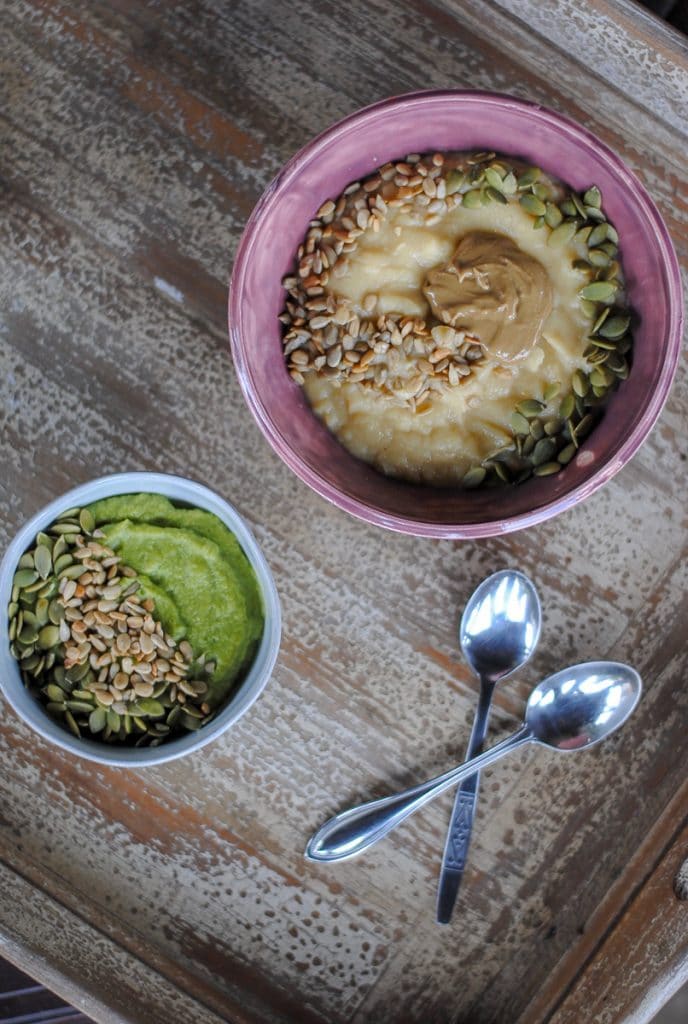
[194,569]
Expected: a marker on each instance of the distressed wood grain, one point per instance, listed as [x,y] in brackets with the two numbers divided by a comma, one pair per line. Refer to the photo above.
[136,137]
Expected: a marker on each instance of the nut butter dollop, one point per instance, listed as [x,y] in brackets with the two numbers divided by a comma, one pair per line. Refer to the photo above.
[495,290]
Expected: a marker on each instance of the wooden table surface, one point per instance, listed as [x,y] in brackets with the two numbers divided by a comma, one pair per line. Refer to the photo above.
[136,138]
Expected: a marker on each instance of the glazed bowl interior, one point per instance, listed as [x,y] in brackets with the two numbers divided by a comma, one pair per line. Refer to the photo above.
[182,492]
[353,149]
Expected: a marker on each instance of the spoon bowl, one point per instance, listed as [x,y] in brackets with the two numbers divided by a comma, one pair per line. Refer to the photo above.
[574,709]
[500,626]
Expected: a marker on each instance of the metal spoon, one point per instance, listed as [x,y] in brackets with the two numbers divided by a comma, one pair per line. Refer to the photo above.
[568,711]
[499,631]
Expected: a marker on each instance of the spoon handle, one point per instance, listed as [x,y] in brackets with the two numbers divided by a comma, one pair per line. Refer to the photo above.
[461,823]
[353,831]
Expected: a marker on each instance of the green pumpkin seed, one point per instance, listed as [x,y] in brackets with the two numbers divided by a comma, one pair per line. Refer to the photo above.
[26,561]
[140,725]
[113,721]
[55,693]
[580,383]
[610,248]
[599,291]
[612,234]
[71,513]
[496,195]
[553,215]
[546,469]
[541,191]
[598,234]
[579,206]
[55,612]
[531,204]
[528,444]
[148,708]
[42,612]
[59,548]
[71,722]
[474,477]
[530,407]
[598,258]
[43,561]
[539,222]
[536,429]
[455,180]
[12,632]
[66,528]
[28,634]
[588,308]
[566,454]
[62,562]
[615,327]
[77,672]
[34,588]
[600,319]
[48,637]
[500,471]
[562,235]
[568,208]
[55,709]
[584,427]
[73,572]
[509,183]
[493,178]
[188,722]
[519,424]
[529,177]
[174,715]
[551,390]
[581,265]
[28,617]
[471,199]
[543,451]
[593,197]
[583,234]
[79,705]
[86,521]
[97,720]
[552,426]
[24,578]
[600,343]
[599,391]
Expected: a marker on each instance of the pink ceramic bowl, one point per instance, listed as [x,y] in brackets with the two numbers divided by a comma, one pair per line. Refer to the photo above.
[422,122]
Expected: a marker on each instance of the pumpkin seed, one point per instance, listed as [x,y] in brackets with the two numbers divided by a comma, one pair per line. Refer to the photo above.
[66,528]
[71,722]
[59,548]
[580,208]
[61,562]
[543,451]
[536,429]
[598,258]
[600,343]
[148,708]
[539,222]
[28,634]
[584,427]
[583,234]
[519,423]
[48,637]
[541,191]
[188,722]
[599,291]
[24,578]
[112,719]
[612,234]
[529,177]
[55,693]
[566,454]
[551,390]
[42,612]
[97,720]
[43,561]
[471,199]
[73,572]
[496,195]
[509,183]
[600,319]
[86,521]
[26,561]
[562,235]
[546,469]
[530,407]
[553,215]
[55,612]
[552,426]
[474,477]
[568,208]
[531,204]
[581,265]
[55,709]
[598,234]
[593,213]
[593,197]
[79,705]
[580,383]
[493,178]
[71,513]
[615,327]
[455,180]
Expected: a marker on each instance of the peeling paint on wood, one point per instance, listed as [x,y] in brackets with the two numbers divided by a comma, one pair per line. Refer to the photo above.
[136,139]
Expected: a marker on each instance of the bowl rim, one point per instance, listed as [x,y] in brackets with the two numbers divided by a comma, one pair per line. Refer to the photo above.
[369,512]
[179,489]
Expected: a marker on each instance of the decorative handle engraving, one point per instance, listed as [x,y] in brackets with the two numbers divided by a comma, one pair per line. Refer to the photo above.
[460,834]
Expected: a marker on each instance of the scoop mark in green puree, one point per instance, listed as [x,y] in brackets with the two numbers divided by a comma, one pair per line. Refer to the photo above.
[194,569]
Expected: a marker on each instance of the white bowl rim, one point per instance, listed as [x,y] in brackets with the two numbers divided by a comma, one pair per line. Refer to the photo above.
[177,489]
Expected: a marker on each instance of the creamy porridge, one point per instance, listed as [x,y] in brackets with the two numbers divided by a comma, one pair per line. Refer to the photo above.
[458,319]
